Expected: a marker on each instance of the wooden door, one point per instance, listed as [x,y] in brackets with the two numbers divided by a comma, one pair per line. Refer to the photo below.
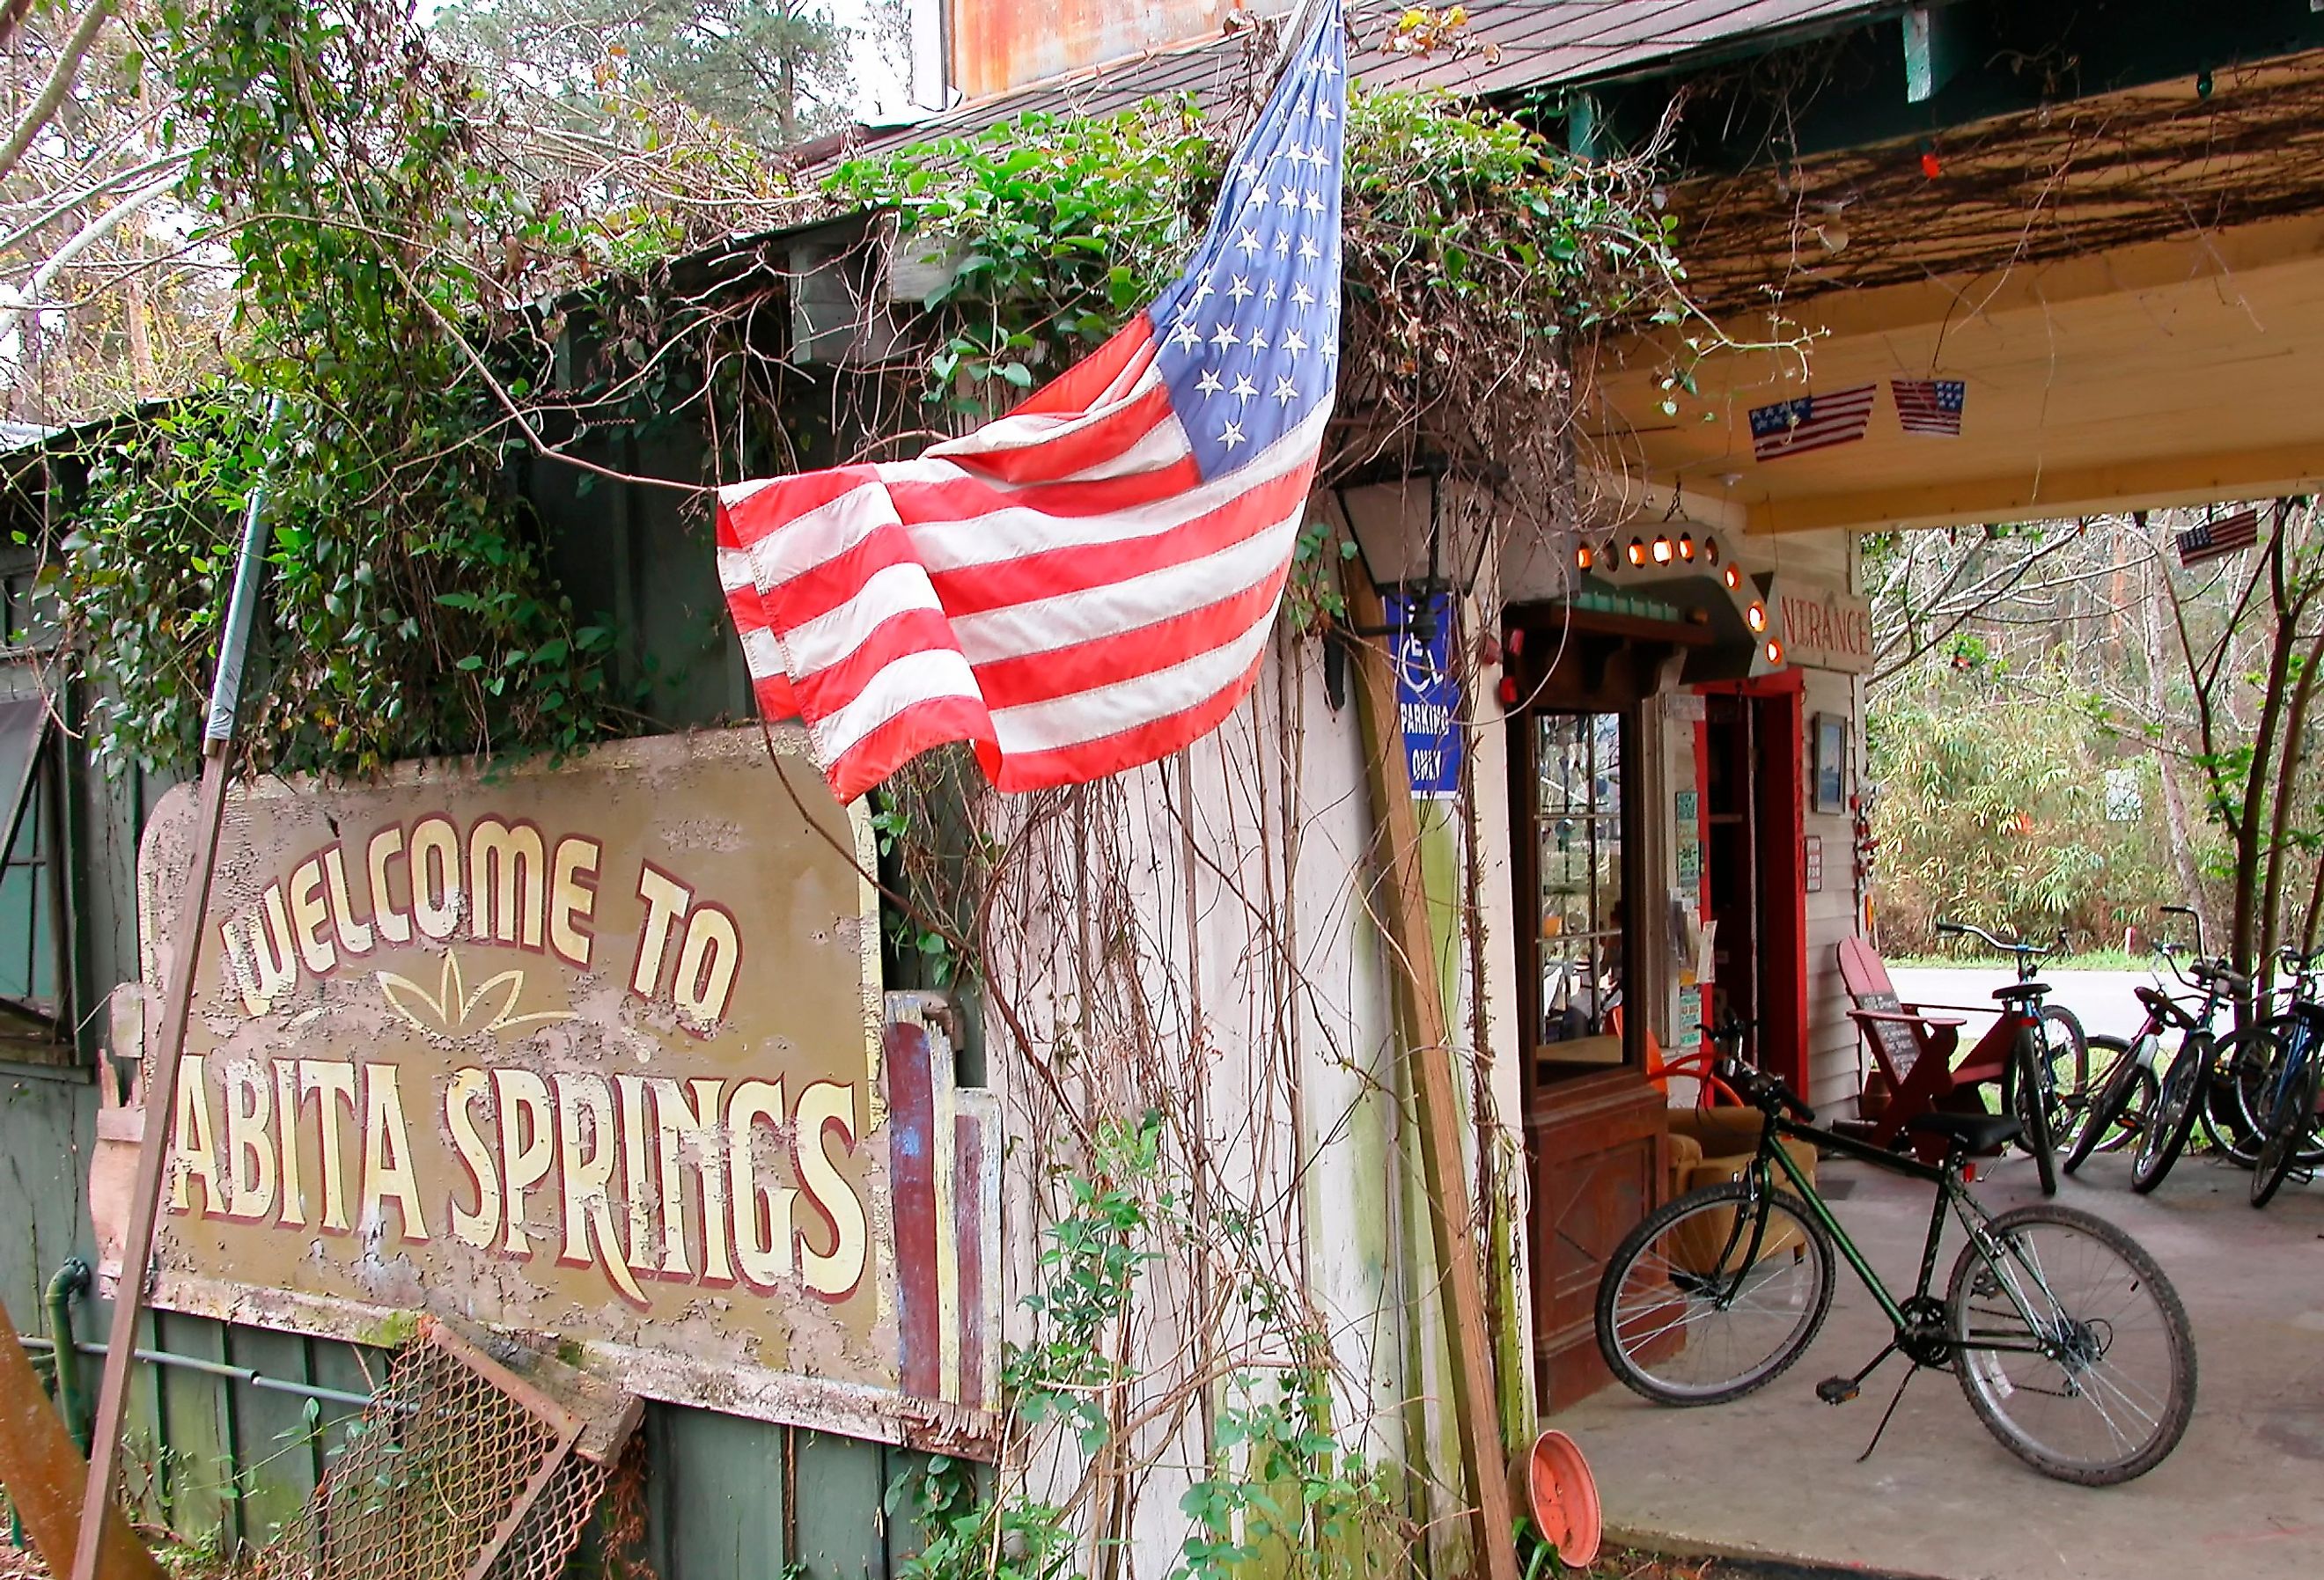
[1598,1148]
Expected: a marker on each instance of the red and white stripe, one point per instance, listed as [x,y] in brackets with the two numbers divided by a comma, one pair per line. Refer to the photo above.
[1840,417]
[1060,588]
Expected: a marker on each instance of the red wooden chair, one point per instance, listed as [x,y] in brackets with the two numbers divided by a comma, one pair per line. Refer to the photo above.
[1913,1048]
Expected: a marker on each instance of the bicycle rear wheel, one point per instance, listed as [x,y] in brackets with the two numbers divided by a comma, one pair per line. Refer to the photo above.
[2185,1085]
[2120,1107]
[2290,1125]
[1714,1295]
[2235,1113]
[2072,1346]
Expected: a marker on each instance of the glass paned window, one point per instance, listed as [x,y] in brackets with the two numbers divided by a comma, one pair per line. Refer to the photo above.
[1578,832]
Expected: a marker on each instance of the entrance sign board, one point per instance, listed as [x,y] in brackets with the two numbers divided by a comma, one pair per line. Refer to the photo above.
[1824,627]
[596,1051]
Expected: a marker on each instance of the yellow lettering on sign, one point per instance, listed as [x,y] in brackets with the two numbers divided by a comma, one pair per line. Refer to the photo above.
[573,899]
[688,1133]
[584,1113]
[286,1108]
[823,1108]
[705,967]
[355,935]
[385,846]
[435,866]
[479,1227]
[249,1148]
[665,901]
[507,882]
[333,1083]
[387,1156]
[307,916]
[528,1146]
[193,1142]
[762,1212]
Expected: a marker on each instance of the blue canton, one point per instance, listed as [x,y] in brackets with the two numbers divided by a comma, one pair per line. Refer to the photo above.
[1782,417]
[1251,333]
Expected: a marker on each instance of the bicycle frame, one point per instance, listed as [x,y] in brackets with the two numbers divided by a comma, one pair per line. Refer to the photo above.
[1954,1201]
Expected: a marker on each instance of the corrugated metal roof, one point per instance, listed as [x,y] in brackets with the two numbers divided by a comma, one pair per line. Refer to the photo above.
[1507,47]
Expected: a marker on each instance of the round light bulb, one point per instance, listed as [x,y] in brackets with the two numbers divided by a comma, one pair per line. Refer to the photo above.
[1686,546]
[1662,550]
[1584,557]
[1638,552]
[1756,617]
[1733,578]
[1775,651]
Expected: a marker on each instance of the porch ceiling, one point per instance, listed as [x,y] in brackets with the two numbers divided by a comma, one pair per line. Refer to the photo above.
[2167,371]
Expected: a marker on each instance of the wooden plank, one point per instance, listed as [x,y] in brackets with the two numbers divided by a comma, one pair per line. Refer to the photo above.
[841,1518]
[197,1481]
[278,1465]
[1421,1008]
[721,1509]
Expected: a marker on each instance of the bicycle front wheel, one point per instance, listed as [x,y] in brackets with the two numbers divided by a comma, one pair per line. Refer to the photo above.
[2185,1085]
[1714,1295]
[2072,1345]
[2291,1124]
[2034,1112]
[2121,1106]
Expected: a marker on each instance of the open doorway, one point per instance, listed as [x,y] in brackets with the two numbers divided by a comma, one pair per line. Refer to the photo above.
[1753,857]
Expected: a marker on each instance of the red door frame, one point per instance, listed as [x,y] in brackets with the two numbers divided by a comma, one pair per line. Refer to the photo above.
[1780,726]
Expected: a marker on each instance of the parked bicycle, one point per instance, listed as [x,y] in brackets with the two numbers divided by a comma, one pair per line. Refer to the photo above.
[2046,1055]
[2285,1118]
[2125,1109]
[2186,1084]
[2070,1343]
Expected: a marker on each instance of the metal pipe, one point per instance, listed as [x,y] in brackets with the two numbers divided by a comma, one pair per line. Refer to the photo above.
[72,1279]
[217,1369]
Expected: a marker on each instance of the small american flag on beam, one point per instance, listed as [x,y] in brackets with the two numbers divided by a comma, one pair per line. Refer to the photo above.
[1930,405]
[1811,422]
[2214,539]
[1088,583]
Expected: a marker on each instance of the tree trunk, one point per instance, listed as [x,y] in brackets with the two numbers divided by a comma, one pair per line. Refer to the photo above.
[2166,763]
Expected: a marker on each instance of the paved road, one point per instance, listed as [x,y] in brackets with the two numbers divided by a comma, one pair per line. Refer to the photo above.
[2102,1000]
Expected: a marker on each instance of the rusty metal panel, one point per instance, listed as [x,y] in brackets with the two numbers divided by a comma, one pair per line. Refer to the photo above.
[593,1051]
[1001,44]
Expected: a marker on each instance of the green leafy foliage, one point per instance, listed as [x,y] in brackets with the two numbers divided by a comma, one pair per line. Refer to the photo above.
[1474,251]
[411,611]
[1992,810]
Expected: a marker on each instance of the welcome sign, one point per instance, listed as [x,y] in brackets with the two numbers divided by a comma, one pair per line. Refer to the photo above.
[595,1053]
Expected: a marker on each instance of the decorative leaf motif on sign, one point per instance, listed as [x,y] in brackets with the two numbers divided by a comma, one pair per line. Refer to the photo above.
[454,1010]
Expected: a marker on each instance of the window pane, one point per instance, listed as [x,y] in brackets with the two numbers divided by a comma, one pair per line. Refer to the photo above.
[1578,833]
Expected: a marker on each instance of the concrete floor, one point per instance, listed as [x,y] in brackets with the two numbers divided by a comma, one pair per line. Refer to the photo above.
[1775,1475]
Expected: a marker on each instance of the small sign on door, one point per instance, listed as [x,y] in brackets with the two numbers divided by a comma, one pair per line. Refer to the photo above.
[1815,863]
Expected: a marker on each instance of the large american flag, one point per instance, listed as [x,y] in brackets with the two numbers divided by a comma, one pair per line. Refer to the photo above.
[1086,584]
[1811,422]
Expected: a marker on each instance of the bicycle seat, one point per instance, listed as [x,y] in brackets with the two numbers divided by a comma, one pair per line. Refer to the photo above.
[1976,1132]
[2021,990]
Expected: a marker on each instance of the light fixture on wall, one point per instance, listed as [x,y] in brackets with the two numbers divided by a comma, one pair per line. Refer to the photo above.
[1398,519]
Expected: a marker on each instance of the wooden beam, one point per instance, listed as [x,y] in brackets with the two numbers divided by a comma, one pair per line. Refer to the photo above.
[1420,1006]
[2142,484]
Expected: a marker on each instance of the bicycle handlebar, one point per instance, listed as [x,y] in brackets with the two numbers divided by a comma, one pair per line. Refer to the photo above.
[1765,1091]
[1957,928]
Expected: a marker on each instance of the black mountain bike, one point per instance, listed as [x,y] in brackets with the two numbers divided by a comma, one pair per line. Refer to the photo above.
[2290,1134]
[2070,1342]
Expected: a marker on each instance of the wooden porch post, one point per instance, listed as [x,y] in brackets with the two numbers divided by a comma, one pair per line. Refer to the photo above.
[1420,1005]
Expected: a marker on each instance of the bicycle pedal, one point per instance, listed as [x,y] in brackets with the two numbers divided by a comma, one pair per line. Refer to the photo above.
[1837,1389]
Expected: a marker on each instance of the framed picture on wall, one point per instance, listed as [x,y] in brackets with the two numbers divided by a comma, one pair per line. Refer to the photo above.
[1831,743]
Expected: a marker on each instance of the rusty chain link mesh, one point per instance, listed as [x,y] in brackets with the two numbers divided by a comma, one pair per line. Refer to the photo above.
[430,1472]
